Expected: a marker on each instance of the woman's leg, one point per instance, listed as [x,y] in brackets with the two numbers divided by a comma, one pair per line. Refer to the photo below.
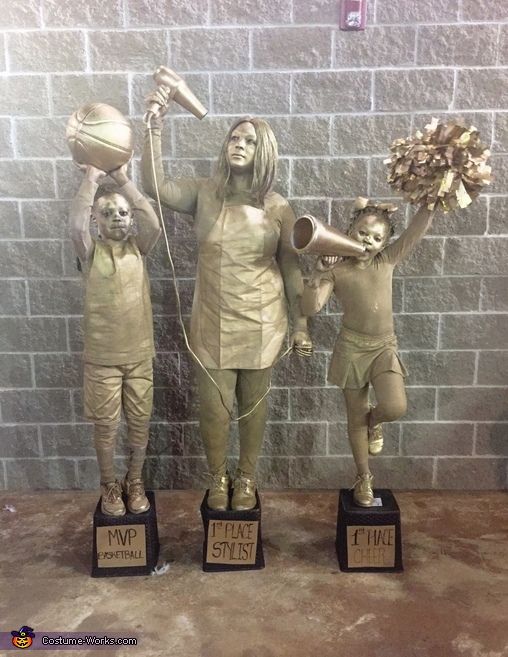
[214,423]
[214,419]
[251,386]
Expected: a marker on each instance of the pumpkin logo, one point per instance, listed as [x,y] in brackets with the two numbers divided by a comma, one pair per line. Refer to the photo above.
[23,638]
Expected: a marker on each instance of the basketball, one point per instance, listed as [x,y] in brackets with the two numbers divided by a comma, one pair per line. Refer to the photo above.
[101,136]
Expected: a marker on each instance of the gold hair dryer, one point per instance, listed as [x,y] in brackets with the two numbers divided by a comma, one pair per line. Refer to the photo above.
[179,92]
[316,238]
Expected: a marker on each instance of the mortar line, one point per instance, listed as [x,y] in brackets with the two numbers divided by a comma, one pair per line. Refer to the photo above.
[475,441]
[27,299]
[333,56]
[86,43]
[125,13]
[6,54]
[32,370]
[476,366]
[451,106]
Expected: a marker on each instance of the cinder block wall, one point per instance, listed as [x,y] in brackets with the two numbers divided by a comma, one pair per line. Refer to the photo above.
[335,100]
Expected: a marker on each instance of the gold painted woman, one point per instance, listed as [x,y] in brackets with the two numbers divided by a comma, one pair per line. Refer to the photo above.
[247,277]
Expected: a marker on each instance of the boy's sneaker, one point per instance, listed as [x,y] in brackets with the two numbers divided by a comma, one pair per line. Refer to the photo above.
[137,501]
[363,494]
[111,499]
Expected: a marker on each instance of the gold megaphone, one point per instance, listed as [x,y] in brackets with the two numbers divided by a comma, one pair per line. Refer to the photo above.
[316,238]
[179,92]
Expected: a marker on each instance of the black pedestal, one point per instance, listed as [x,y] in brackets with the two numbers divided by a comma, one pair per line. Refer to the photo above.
[232,539]
[369,538]
[125,545]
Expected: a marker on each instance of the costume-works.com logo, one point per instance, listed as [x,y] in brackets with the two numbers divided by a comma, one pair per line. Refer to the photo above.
[23,638]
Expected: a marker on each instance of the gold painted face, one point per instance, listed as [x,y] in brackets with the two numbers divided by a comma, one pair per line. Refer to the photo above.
[242,148]
[372,232]
[113,215]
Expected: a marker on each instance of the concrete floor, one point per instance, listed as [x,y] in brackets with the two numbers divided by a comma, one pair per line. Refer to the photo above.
[451,600]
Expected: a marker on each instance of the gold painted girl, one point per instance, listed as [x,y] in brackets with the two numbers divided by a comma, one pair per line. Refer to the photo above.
[366,349]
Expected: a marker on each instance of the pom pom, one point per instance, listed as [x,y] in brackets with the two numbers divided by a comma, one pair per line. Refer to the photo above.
[443,167]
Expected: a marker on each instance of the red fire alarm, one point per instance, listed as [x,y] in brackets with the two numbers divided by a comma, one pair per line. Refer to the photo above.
[353,14]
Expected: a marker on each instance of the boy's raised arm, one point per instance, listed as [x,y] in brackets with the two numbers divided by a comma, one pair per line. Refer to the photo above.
[80,211]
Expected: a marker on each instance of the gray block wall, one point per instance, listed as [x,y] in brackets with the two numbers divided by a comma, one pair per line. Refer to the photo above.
[336,100]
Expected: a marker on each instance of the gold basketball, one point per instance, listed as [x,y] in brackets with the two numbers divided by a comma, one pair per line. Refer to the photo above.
[100,135]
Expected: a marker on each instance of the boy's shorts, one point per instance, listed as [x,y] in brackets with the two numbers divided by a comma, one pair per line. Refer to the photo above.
[358,358]
[108,388]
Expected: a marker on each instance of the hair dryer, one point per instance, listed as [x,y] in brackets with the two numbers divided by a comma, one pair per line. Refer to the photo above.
[179,92]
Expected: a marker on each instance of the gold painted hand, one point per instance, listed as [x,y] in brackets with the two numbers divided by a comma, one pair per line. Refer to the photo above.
[301,343]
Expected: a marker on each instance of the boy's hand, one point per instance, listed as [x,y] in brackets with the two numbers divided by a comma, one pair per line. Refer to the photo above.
[325,263]
[93,174]
[120,175]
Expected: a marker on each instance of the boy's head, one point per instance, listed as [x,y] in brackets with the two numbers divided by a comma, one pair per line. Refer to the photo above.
[371,225]
[113,214]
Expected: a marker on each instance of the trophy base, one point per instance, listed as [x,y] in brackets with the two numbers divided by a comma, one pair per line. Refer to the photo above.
[125,545]
[369,538]
[232,539]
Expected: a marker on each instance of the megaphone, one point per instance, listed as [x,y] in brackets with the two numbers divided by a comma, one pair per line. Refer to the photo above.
[316,238]
[178,91]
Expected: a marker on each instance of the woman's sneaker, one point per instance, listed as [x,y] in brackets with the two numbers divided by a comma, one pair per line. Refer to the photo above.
[244,492]
[218,493]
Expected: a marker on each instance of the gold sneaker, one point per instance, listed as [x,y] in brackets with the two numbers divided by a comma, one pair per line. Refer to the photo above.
[137,501]
[218,493]
[362,490]
[375,437]
[244,492]
[111,499]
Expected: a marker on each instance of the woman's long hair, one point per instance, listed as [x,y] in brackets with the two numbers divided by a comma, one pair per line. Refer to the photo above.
[265,159]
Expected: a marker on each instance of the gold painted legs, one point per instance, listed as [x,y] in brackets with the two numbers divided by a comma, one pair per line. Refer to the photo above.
[108,389]
[248,386]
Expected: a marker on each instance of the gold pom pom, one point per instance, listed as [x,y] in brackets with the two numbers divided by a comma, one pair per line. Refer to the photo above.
[443,166]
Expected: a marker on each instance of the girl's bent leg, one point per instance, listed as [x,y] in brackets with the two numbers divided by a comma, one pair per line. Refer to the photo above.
[390,398]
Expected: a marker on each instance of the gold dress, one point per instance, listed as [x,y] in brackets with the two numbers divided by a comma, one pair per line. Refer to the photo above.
[247,274]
